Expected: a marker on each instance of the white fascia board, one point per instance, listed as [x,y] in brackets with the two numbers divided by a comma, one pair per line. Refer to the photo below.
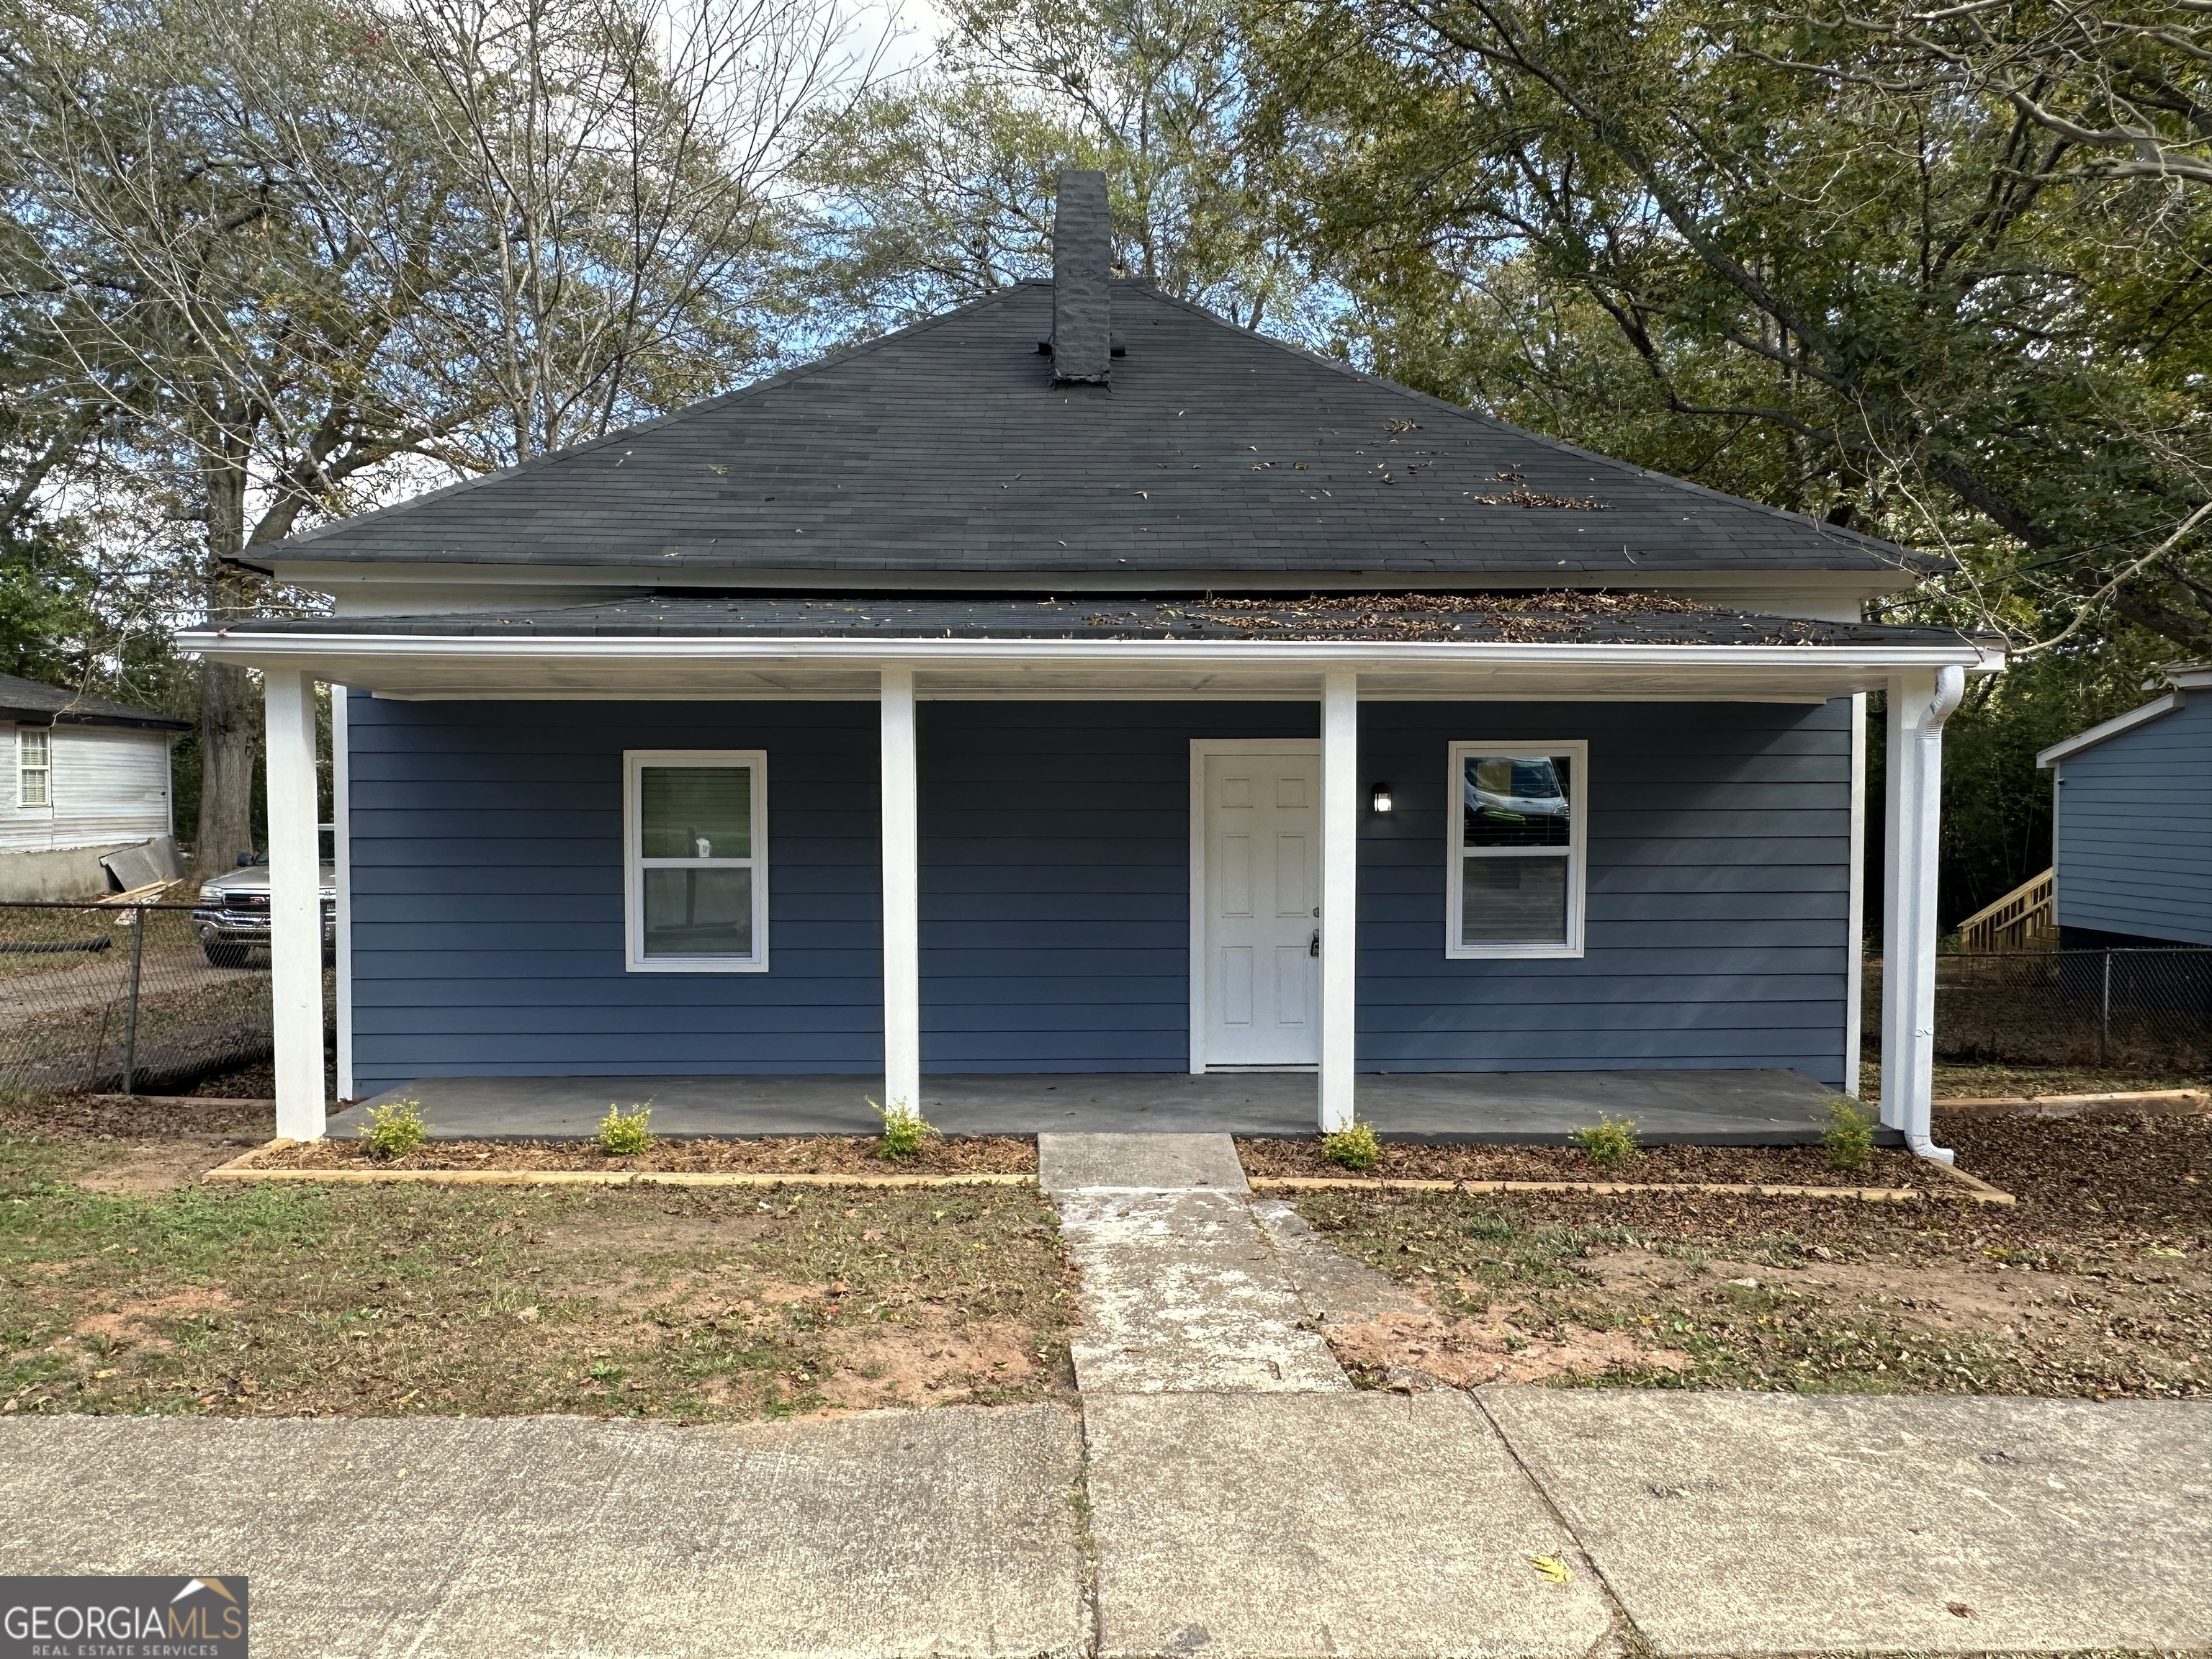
[2111,729]
[333,651]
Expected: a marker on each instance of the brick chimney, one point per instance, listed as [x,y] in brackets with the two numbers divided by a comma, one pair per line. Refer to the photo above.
[1082,304]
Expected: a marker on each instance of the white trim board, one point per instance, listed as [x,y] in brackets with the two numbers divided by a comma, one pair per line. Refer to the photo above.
[2111,729]
[256,649]
[1577,855]
[634,960]
[1201,748]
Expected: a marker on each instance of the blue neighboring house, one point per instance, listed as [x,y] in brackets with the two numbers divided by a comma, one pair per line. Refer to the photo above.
[1074,685]
[2131,822]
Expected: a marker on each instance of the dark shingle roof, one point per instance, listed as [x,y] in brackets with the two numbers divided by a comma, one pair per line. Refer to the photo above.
[947,448]
[33,702]
[1565,618]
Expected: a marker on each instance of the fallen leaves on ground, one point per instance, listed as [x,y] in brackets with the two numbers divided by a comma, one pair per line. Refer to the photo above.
[297,1299]
[2095,1284]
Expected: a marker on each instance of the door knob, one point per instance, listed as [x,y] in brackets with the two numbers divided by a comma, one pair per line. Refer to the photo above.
[1313,950]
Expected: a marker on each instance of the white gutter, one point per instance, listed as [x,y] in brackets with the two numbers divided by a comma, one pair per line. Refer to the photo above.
[248,647]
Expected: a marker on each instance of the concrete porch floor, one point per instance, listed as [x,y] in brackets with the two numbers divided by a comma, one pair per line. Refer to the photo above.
[1704,1107]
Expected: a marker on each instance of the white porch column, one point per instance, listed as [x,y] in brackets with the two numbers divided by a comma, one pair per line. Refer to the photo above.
[901,897]
[1919,702]
[1339,895]
[341,860]
[296,904]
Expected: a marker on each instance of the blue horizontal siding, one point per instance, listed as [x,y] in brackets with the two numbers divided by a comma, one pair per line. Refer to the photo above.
[2133,845]
[1718,929]
[1055,891]
[1055,850]
[488,894]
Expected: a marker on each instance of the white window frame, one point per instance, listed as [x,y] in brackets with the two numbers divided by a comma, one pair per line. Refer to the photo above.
[1576,751]
[634,864]
[44,735]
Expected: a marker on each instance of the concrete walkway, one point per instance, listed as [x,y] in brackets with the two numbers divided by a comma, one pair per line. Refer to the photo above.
[1181,1290]
[1225,1493]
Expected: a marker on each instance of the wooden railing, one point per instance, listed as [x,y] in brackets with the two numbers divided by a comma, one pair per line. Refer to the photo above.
[2022,919]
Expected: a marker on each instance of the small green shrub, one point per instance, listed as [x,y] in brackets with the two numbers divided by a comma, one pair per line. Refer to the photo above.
[395,1130]
[904,1132]
[1848,1132]
[1609,1143]
[1355,1148]
[624,1134]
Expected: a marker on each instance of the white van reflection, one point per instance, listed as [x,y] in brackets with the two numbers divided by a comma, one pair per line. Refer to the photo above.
[1514,791]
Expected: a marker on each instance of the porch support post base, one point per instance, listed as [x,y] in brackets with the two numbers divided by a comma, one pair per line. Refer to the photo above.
[901,896]
[295,905]
[1339,896]
[1919,702]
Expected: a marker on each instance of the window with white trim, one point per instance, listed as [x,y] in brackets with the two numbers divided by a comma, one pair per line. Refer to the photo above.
[694,831]
[35,767]
[1517,876]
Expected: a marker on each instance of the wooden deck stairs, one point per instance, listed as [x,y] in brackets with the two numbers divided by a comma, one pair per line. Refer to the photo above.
[2026,919]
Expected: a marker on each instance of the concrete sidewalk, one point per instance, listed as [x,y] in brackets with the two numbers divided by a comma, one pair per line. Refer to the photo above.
[950,1532]
[1276,1525]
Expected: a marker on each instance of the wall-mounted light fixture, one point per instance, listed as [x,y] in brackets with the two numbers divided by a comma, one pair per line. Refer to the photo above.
[1381,799]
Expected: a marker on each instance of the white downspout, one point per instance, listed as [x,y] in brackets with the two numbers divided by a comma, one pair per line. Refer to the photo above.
[1919,703]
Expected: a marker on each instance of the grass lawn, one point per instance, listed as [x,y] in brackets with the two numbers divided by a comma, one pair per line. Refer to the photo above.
[123,1289]
[2096,1284]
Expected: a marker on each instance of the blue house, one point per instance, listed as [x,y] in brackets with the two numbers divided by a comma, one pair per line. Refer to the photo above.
[2131,822]
[1076,686]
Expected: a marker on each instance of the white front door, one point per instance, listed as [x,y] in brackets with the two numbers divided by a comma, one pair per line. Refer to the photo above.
[1261,813]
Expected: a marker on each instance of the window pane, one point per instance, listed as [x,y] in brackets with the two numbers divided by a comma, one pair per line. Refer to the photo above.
[696,811]
[698,913]
[1514,901]
[1517,802]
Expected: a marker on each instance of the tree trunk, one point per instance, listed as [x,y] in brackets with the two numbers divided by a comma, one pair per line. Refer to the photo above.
[230,702]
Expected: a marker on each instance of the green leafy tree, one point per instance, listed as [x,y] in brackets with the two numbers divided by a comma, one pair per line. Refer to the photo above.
[940,190]
[1733,243]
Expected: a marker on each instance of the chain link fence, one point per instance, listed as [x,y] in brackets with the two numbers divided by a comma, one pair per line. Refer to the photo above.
[105,997]
[2148,1009]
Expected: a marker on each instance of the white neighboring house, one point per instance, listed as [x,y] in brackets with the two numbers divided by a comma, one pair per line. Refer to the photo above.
[85,802]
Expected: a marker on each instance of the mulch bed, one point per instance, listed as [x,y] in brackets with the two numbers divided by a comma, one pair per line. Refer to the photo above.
[1796,1166]
[2104,1183]
[780,1155]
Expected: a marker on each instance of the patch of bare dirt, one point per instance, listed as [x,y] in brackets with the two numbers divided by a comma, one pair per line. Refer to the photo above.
[770,1155]
[929,1361]
[128,1323]
[1793,1166]
[1416,1351]
[159,1166]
